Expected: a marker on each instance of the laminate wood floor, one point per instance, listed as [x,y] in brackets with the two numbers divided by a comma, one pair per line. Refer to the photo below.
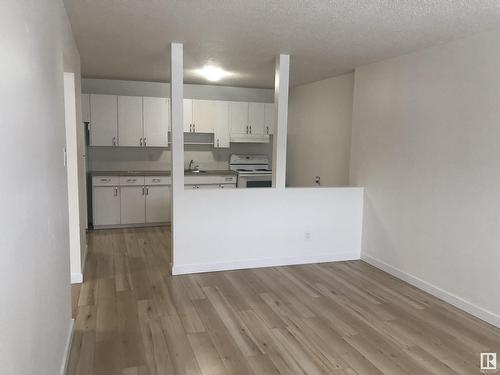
[133,318]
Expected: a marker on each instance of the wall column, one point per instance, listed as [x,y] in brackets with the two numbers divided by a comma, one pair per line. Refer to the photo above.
[281,80]
[177,146]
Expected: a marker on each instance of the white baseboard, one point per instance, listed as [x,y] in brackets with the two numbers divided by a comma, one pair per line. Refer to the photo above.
[76,278]
[67,349]
[84,260]
[452,299]
[181,269]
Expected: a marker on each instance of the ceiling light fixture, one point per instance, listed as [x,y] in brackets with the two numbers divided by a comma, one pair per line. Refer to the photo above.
[212,73]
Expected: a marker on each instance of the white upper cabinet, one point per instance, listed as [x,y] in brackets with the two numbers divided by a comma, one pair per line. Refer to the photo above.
[256,118]
[270,119]
[103,120]
[203,116]
[156,112]
[221,124]
[85,108]
[135,121]
[239,118]
[130,121]
[187,115]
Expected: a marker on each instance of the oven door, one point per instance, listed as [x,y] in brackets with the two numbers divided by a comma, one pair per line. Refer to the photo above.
[254,181]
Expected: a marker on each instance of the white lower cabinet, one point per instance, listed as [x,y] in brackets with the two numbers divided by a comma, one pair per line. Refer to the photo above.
[106,205]
[132,205]
[157,204]
[131,200]
[210,186]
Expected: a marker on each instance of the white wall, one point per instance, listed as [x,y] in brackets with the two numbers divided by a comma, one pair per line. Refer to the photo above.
[124,159]
[319,132]
[71,60]
[74,209]
[231,229]
[109,159]
[35,317]
[426,148]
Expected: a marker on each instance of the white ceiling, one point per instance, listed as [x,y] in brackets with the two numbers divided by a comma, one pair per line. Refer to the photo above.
[128,39]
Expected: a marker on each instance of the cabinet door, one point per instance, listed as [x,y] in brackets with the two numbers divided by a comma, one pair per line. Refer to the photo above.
[103,120]
[270,119]
[187,115]
[256,118]
[221,124]
[133,209]
[130,129]
[239,117]
[156,121]
[157,204]
[203,116]
[106,205]
[85,108]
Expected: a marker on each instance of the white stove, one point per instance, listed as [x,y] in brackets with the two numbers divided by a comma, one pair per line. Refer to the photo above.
[253,170]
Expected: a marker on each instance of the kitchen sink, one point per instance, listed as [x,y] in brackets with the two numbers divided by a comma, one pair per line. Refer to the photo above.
[195,171]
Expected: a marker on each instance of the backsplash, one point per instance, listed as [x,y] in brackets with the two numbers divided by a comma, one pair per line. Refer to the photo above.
[131,158]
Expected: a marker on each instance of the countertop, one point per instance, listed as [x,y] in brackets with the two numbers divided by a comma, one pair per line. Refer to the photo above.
[221,172]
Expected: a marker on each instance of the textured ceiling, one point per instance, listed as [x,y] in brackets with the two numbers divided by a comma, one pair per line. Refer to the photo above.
[128,39]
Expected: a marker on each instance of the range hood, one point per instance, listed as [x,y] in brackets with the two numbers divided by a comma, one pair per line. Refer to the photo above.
[245,138]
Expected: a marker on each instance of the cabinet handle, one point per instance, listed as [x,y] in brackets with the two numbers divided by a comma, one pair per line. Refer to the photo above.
[217,143]
[143,190]
[194,128]
[114,141]
[116,191]
[190,128]
[247,129]
[250,129]
[147,190]
[145,143]
[267,129]
[140,142]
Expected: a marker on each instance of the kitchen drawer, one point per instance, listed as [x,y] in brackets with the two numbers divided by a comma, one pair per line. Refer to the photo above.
[229,180]
[157,180]
[131,180]
[207,179]
[105,181]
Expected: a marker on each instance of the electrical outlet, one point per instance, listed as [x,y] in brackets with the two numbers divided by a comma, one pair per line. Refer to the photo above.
[307,236]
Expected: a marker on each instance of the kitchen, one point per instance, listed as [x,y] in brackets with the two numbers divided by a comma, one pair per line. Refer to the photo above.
[228,144]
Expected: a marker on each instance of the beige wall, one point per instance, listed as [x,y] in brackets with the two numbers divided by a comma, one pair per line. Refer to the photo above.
[319,132]
[426,131]
[35,318]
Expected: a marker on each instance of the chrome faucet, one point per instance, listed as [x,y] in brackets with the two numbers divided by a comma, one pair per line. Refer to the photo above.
[192,167]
